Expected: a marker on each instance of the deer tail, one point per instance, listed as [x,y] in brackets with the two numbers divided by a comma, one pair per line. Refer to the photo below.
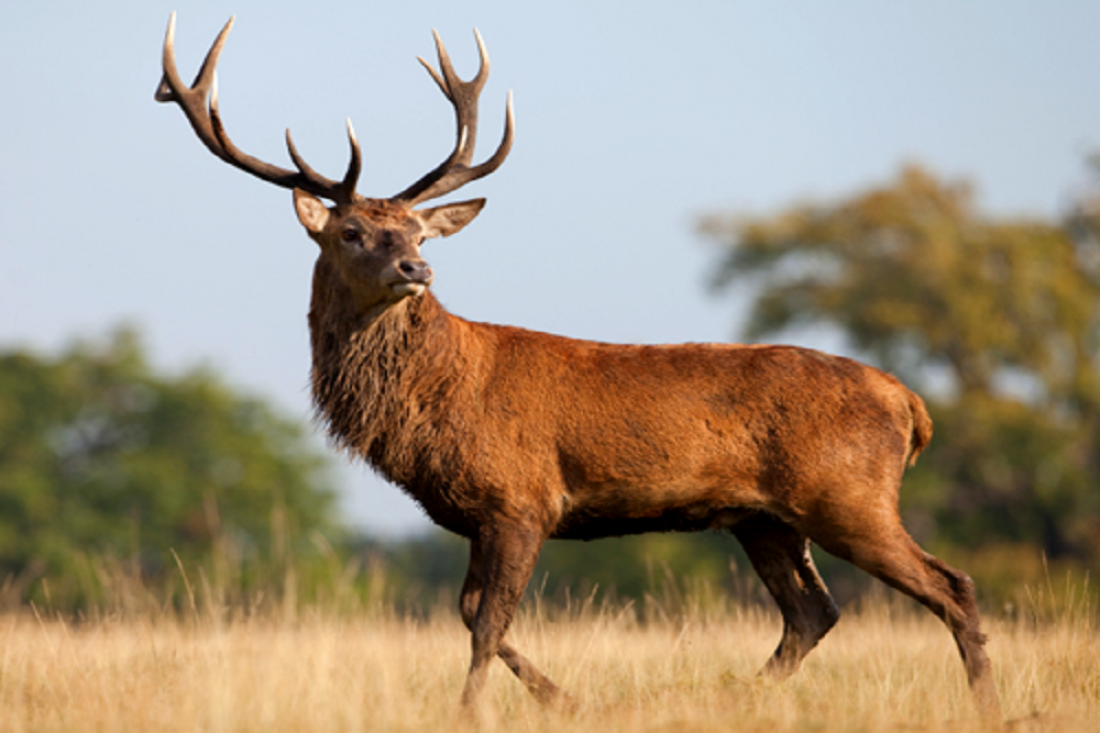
[922,427]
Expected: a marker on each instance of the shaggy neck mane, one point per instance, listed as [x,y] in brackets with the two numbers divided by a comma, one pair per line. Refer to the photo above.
[381,386]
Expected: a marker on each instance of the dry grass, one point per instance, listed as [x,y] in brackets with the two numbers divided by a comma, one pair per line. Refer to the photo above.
[883,668]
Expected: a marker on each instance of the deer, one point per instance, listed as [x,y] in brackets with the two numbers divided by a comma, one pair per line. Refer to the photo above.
[511,437]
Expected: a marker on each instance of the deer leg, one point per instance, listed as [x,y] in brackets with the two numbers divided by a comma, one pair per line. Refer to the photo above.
[538,684]
[883,548]
[507,558]
[781,557]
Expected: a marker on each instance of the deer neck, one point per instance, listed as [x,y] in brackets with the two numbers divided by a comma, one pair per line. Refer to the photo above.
[379,380]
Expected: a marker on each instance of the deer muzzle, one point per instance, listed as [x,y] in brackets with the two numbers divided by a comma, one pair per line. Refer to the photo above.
[414,278]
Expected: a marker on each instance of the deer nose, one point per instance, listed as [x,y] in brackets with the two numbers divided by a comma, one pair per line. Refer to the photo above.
[416,271]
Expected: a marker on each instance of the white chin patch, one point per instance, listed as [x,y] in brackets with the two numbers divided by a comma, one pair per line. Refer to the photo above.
[406,289]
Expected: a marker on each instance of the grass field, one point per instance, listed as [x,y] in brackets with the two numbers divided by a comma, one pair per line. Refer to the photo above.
[885,667]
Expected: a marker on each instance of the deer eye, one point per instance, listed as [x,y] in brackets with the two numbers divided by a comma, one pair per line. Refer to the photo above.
[350,235]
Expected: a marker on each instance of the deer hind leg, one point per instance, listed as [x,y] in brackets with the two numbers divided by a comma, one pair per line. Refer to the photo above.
[781,557]
[503,600]
[874,541]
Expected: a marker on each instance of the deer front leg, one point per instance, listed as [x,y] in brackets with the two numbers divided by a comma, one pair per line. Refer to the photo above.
[502,561]
[539,685]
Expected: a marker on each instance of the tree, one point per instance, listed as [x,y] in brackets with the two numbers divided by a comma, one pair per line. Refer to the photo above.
[100,456]
[995,321]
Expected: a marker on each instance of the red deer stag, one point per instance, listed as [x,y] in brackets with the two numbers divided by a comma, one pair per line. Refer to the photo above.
[509,437]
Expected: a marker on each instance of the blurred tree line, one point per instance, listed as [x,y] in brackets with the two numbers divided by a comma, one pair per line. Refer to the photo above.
[106,467]
[108,470]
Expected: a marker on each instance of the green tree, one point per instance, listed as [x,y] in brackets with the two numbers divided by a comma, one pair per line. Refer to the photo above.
[101,457]
[995,321]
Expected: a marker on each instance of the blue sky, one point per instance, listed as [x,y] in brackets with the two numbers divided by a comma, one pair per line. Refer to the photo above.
[632,118]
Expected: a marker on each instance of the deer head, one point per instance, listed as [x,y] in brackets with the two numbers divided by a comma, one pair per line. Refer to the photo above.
[374,244]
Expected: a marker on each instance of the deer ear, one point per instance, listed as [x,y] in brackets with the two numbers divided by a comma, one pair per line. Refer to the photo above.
[311,212]
[443,221]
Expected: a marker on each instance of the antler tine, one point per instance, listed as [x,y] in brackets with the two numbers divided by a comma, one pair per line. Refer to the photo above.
[192,99]
[435,75]
[455,171]
[355,165]
[199,103]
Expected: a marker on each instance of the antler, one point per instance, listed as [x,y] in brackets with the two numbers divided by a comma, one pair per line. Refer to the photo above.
[204,118]
[455,171]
